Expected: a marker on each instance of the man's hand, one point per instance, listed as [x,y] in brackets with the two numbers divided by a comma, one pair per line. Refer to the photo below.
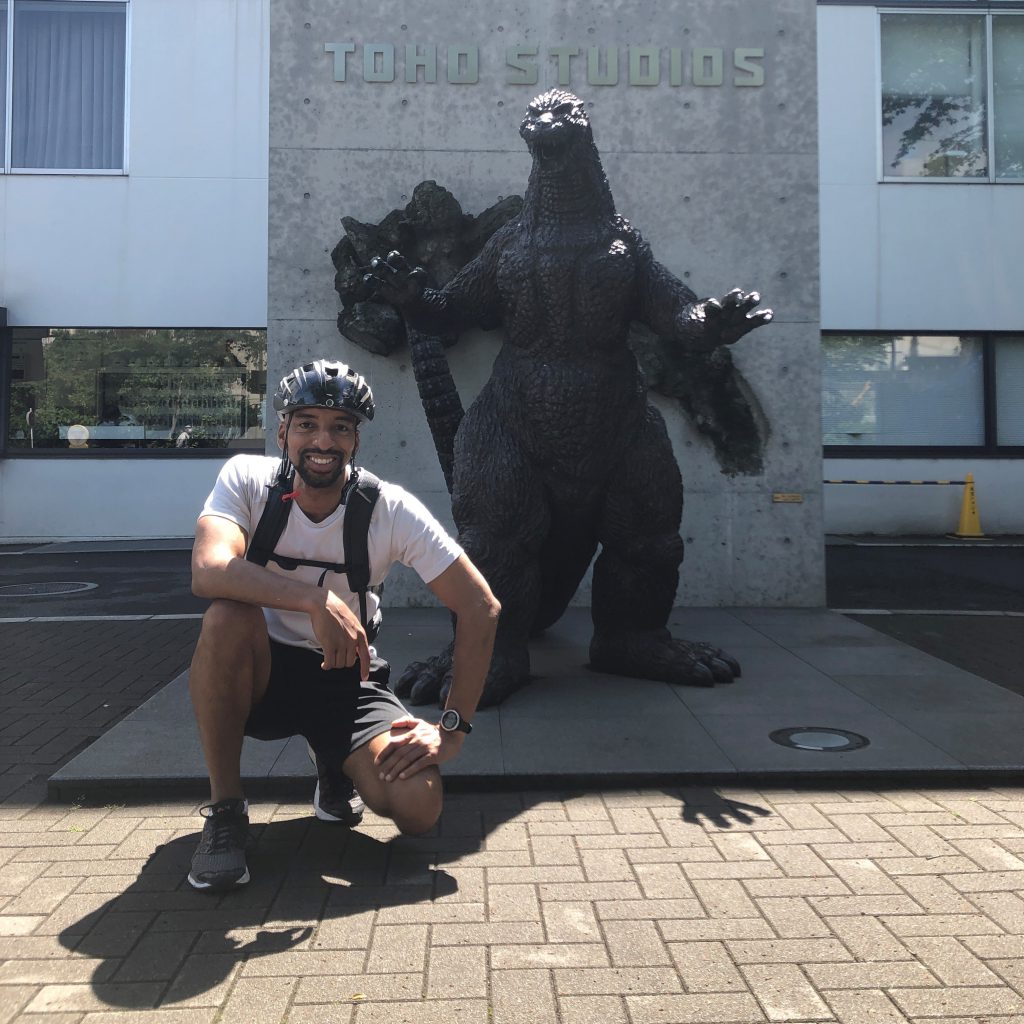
[731,317]
[415,745]
[340,634]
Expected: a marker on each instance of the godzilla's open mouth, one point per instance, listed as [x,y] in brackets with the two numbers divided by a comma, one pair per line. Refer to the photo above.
[547,149]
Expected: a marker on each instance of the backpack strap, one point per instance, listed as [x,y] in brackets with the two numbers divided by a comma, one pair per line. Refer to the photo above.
[355,533]
[272,522]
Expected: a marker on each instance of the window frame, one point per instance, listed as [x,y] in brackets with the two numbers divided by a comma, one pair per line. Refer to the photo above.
[8,140]
[7,452]
[985,9]
[988,449]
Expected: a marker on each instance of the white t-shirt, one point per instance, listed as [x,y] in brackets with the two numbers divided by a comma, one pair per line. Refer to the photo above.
[401,530]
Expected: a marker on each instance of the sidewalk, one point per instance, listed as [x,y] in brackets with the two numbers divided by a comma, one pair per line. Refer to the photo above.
[647,907]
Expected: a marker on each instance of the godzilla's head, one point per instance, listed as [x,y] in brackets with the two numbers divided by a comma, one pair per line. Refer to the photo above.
[556,128]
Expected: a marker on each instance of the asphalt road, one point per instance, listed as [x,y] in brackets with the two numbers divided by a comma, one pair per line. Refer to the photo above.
[977,580]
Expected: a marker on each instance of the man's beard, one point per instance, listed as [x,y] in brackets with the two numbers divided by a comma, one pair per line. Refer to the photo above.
[321,480]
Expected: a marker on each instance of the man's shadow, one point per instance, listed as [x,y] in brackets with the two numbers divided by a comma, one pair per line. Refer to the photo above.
[175,943]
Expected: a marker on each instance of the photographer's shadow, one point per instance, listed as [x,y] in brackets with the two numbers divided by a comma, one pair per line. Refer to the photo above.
[314,887]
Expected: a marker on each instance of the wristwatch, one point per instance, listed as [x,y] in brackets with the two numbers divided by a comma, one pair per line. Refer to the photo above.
[452,721]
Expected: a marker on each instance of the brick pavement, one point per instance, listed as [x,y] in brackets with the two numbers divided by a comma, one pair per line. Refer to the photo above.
[62,684]
[653,907]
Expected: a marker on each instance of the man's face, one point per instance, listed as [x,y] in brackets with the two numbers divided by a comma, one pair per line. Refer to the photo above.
[321,443]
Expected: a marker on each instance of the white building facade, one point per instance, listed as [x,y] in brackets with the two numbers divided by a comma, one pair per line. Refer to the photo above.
[133,260]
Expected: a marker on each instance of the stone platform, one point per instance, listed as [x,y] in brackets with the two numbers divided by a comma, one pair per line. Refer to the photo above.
[924,719]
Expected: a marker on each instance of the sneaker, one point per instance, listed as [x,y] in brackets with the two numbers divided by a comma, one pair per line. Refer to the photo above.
[219,861]
[335,799]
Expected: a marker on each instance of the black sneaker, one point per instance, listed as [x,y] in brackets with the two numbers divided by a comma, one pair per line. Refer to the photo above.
[219,861]
[335,799]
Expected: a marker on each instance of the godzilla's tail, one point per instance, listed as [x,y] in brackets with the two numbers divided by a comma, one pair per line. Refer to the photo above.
[439,396]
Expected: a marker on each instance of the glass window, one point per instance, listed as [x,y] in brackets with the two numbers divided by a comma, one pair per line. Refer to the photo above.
[903,390]
[1008,98]
[3,70]
[125,388]
[68,85]
[1009,357]
[934,80]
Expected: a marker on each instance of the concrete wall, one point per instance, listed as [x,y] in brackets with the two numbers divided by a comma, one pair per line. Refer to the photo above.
[180,241]
[904,256]
[722,181]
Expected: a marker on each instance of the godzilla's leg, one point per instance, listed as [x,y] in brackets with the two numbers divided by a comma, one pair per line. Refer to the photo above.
[500,510]
[636,574]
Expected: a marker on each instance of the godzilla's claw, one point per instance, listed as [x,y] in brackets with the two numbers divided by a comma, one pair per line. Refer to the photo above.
[729,318]
[423,681]
[394,279]
[655,654]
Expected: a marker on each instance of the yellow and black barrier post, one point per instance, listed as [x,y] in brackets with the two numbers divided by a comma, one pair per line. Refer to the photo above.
[969,527]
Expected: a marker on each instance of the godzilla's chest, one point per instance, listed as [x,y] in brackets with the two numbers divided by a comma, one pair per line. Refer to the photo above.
[566,292]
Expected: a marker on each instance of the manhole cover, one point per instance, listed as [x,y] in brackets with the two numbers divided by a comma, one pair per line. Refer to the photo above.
[824,740]
[45,589]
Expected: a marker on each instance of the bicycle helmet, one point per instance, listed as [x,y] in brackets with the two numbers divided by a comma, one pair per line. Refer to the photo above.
[323,384]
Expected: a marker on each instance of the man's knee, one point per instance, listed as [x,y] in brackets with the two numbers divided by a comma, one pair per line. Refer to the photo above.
[415,804]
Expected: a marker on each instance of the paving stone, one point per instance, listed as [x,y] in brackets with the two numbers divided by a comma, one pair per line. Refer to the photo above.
[348,988]
[868,939]
[724,898]
[784,992]
[864,1006]
[1005,908]
[635,944]
[800,862]
[305,963]
[706,967]
[723,928]
[564,954]
[792,918]
[570,922]
[939,924]
[945,1002]
[950,961]
[512,903]
[935,895]
[787,951]
[904,974]
[693,1009]
[616,980]
[592,1009]
[554,849]
[203,981]
[606,866]
[398,949]
[496,933]
[61,998]
[449,1011]
[523,997]
[640,910]
[663,881]
[53,971]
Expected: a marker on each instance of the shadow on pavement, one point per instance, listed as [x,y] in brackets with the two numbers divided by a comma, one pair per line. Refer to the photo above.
[314,887]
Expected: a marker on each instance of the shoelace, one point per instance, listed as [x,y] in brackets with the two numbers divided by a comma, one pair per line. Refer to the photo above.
[227,831]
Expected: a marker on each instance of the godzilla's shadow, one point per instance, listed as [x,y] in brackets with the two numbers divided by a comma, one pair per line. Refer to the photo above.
[160,930]
[177,944]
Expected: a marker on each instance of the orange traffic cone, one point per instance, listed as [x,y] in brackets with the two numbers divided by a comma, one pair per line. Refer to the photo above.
[970,524]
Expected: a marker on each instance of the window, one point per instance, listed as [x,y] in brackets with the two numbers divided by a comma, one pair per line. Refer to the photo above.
[67,80]
[81,389]
[952,103]
[926,392]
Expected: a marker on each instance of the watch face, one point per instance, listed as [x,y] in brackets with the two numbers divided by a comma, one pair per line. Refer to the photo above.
[450,720]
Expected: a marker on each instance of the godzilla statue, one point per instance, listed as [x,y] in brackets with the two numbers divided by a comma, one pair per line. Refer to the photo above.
[560,454]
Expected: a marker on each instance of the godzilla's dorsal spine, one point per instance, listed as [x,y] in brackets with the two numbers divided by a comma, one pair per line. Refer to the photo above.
[441,402]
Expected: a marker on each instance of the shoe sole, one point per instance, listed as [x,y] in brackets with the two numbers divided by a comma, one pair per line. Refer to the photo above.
[354,818]
[218,886]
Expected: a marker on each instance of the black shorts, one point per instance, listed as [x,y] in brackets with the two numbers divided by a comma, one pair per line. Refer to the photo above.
[334,710]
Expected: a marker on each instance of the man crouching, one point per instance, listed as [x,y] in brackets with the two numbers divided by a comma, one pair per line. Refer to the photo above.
[285,645]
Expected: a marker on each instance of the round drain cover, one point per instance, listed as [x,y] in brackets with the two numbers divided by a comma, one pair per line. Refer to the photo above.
[45,589]
[813,737]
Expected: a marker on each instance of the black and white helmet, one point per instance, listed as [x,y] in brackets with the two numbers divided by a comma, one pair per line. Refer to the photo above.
[324,385]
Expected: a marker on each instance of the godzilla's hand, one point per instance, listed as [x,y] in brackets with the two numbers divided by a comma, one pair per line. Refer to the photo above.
[728,319]
[395,280]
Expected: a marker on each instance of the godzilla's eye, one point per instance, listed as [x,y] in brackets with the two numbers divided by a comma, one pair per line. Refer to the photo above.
[563,108]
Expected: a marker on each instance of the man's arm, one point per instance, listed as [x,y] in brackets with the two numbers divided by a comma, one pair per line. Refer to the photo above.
[465,592]
[219,570]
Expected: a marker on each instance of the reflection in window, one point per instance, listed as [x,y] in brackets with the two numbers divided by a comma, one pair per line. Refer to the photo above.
[3,70]
[903,390]
[1008,100]
[934,80]
[126,388]
[68,87]
[1009,358]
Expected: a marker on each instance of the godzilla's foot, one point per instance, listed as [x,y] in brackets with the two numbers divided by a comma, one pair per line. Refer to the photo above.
[428,682]
[509,671]
[656,654]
